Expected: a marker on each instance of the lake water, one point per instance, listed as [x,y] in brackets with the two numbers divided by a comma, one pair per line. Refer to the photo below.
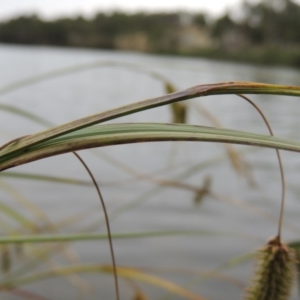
[240,219]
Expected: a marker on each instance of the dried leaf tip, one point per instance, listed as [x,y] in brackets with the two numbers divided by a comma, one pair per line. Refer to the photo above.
[273,278]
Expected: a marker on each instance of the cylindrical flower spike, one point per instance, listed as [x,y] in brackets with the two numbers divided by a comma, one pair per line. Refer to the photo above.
[273,278]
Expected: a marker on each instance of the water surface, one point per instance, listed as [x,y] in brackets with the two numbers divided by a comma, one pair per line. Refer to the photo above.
[237,216]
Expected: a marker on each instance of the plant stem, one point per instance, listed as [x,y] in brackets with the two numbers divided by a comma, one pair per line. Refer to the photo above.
[107,225]
[280,167]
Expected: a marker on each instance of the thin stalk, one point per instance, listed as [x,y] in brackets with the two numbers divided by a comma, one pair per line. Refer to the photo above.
[104,210]
[107,224]
[280,222]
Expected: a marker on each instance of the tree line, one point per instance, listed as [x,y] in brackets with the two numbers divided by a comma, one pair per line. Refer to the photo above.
[99,32]
[256,33]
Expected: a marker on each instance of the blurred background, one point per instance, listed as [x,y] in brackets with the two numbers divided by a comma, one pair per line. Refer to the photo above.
[206,206]
[250,31]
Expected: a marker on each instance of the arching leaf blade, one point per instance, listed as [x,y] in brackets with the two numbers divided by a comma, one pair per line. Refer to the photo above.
[107,135]
[193,92]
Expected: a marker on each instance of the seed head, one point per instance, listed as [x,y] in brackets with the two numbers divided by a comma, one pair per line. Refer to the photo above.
[273,278]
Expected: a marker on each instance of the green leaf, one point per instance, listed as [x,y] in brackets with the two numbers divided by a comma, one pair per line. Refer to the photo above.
[193,92]
[106,135]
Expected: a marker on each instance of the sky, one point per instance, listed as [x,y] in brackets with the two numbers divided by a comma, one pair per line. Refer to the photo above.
[56,8]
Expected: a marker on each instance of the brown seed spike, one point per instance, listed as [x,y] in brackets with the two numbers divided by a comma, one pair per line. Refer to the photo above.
[275,271]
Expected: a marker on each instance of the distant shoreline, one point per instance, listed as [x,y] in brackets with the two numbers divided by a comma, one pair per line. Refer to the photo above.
[266,35]
[262,57]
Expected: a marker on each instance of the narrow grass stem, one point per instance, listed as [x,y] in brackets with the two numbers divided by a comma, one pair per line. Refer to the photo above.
[107,224]
[280,167]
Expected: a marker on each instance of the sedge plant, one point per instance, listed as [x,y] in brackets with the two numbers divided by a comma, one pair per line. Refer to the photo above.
[277,258]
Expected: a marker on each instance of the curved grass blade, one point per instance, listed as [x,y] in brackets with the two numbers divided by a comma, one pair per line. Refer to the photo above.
[51,238]
[17,217]
[106,135]
[74,69]
[129,273]
[61,72]
[193,92]
[25,114]
[41,177]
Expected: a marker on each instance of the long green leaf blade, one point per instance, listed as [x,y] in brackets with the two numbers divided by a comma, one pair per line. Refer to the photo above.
[106,135]
[193,92]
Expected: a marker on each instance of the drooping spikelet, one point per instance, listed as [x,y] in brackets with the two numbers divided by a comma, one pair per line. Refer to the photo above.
[275,271]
